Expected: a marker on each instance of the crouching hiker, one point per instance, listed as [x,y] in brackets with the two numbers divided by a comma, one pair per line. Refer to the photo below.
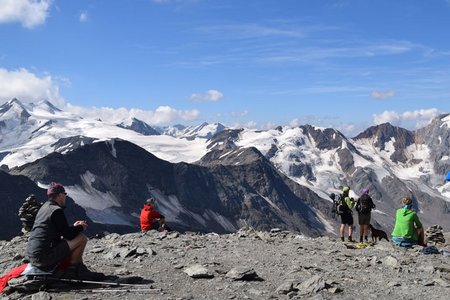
[53,241]
[408,230]
[151,218]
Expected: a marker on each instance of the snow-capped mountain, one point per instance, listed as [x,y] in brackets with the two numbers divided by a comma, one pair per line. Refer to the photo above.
[203,130]
[391,161]
[139,126]
[29,132]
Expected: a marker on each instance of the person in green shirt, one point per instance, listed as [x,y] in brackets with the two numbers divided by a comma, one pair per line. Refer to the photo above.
[346,216]
[408,229]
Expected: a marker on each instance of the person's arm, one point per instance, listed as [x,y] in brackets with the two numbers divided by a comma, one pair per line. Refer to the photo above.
[358,205]
[60,221]
[156,215]
[417,221]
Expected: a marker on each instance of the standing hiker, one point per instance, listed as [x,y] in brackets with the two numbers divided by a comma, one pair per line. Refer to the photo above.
[347,204]
[364,207]
[408,229]
[151,218]
[52,240]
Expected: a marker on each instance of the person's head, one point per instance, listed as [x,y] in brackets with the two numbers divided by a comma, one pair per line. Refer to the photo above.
[57,193]
[365,191]
[346,190]
[407,202]
[150,201]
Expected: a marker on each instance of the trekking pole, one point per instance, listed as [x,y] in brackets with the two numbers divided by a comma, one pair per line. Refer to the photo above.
[102,290]
[109,283]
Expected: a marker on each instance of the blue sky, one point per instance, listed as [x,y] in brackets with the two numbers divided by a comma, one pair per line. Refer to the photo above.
[346,64]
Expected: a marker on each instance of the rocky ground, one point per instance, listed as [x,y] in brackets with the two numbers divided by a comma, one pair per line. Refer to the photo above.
[249,265]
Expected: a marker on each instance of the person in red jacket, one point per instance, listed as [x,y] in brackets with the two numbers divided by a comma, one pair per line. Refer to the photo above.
[150,217]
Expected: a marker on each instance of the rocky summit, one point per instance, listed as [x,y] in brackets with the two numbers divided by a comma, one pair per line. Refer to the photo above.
[247,264]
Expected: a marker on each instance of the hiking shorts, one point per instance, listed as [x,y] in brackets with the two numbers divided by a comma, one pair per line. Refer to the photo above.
[347,219]
[364,219]
[52,257]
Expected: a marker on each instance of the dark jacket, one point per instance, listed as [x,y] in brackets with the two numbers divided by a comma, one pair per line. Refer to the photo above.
[50,226]
[365,204]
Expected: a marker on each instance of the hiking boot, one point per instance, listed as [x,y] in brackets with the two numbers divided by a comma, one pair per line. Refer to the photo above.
[71,272]
[342,238]
[350,239]
[85,274]
[81,272]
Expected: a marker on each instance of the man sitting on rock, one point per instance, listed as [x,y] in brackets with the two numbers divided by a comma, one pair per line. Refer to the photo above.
[52,240]
[150,217]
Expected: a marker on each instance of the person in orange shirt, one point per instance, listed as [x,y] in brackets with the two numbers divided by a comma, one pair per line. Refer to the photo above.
[150,217]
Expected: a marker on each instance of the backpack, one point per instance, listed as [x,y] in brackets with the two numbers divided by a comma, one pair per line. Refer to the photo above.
[341,205]
[365,204]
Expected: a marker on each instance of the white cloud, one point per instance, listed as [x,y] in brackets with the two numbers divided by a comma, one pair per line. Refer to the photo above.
[83,16]
[239,113]
[409,119]
[210,95]
[346,128]
[294,122]
[248,125]
[382,94]
[29,13]
[27,87]
[392,117]
[163,115]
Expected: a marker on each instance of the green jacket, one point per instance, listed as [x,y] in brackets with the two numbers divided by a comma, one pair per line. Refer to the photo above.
[406,221]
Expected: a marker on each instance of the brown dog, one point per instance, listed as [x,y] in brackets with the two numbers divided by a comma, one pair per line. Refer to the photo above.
[377,233]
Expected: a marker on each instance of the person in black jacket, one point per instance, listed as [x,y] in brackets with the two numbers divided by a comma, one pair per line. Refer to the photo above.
[52,240]
[364,207]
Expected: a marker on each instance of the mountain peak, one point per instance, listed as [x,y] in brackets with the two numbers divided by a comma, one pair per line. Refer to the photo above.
[139,126]
[48,106]
[325,138]
[14,109]
[383,134]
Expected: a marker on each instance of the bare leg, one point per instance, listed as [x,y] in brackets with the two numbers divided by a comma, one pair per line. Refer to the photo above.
[161,223]
[350,230]
[77,246]
[421,240]
[342,230]
[365,230]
